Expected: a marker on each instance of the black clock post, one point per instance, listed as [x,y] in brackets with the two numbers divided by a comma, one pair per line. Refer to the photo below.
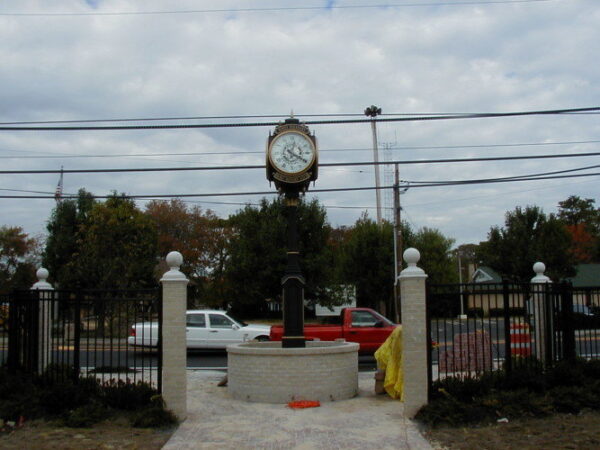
[292,163]
[293,281]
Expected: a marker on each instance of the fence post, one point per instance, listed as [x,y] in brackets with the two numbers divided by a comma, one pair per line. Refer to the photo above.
[414,334]
[174,297]
[540,306]
[44,319]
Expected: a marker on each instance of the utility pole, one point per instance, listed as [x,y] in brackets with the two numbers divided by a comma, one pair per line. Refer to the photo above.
[372,112]
[397,243]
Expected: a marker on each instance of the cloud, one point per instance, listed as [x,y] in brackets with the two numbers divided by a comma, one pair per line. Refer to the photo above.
[497,57]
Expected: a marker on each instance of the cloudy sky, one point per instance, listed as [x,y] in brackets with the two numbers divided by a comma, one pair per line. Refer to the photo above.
[70,60]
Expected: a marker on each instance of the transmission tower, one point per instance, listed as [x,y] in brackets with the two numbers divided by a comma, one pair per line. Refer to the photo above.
[388,180]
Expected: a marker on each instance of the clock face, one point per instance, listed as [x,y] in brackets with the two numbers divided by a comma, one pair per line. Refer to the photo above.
[292,152]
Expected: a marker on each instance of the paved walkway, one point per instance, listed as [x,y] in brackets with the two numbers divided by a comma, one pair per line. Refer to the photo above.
[368,421]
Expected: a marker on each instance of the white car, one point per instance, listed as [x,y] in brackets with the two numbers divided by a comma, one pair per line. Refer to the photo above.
[208,329]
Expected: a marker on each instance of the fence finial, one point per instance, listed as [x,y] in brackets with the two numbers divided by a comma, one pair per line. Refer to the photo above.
[42,275]
[539,268]
[174,261]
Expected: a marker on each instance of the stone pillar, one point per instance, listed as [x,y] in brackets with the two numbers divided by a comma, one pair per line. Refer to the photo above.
[541,310]
[414,334]
[45,316]
[174,377]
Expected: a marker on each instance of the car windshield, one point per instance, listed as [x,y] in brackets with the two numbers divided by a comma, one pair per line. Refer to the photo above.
[384,319]
[241,322]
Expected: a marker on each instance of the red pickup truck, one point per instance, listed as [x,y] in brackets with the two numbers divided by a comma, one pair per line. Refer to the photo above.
[361,325]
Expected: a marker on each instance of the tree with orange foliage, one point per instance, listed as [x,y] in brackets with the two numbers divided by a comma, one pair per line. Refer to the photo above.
[582,219]
[201,237]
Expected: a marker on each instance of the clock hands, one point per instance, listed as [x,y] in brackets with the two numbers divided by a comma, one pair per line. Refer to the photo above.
[293,154]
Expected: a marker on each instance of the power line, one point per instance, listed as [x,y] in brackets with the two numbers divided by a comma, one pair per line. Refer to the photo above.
[242,116]
[339,164]
[308,122]
[261,152]
[514,177]
[272,9]
[344,189]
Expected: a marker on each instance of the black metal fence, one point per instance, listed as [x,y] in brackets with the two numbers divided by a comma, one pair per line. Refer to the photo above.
[73,333]
[483,327]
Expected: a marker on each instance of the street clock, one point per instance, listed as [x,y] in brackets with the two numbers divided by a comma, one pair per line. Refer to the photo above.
[292,156]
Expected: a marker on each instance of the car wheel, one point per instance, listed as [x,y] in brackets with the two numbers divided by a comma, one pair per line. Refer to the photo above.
[262,338]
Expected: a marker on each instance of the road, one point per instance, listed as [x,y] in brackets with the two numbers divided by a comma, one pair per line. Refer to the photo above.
[443,331]
[120,358]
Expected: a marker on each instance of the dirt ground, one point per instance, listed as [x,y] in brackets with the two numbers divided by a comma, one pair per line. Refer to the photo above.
[114,434]
[558,432]
[562,431]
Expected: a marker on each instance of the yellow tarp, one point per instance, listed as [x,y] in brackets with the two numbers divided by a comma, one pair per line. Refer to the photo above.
[389,358]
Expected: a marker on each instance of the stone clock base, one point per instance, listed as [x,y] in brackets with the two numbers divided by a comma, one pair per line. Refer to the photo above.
[265,372]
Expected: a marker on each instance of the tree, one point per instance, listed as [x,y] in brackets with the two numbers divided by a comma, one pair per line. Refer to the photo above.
[437,259]
[257,254]
[368,262]
[117,247]
[63,244]
[583,222]
[18,258]
[575,210]
[528,236]
[201,237]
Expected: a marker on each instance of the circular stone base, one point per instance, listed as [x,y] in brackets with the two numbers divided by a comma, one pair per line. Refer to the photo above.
[267,373]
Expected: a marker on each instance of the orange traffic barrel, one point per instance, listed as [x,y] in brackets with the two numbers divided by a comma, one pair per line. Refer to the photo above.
[520,339]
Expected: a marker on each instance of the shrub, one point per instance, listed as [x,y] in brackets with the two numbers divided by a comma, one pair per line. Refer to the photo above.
[466,388]
[87,415]
[449,411]
[61,397]
[127,396]
[521,403]
[154,416]
[568,399]
[527,391]
[81,402]
[567,373]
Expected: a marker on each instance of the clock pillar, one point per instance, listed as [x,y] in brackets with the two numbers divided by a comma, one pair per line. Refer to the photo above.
[293,281]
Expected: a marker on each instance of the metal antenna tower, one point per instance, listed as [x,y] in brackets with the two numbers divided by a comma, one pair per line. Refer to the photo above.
[388,180]
[59,187]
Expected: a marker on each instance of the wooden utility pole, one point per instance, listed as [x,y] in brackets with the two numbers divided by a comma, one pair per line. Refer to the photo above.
[397,243]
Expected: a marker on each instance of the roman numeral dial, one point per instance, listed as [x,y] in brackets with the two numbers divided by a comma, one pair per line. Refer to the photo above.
[291,152]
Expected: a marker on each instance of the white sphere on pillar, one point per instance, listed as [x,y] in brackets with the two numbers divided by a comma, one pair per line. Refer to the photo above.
[174,261]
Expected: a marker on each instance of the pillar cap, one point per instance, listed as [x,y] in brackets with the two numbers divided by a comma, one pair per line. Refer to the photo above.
[412,257]
[42,275]
[539,268]
[174,261]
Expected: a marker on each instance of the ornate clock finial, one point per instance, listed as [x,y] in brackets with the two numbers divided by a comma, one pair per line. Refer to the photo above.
[292,114]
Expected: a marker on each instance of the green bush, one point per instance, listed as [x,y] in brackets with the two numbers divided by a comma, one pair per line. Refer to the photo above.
[87,415]
[154,416]
[466,389]
[528,390]
[127,396]
[80,402]
[18,396]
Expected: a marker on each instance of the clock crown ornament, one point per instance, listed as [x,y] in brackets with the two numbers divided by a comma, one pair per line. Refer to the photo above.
[292,156]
